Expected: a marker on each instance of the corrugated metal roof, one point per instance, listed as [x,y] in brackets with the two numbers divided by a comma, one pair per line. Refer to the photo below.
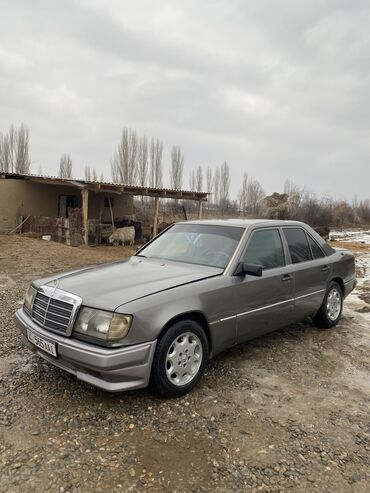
[118,186]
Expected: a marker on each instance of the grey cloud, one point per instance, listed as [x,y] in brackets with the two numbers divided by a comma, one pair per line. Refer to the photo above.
[279,89]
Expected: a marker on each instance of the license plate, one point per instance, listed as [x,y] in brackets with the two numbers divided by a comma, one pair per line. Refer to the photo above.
[40,342]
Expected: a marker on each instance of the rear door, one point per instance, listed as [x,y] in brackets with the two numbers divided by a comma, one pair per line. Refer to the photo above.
[310,269]
[264,303]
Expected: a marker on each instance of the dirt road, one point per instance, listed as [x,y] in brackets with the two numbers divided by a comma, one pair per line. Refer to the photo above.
[287,412]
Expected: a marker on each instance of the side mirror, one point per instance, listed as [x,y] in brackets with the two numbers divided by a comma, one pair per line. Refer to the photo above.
[251,269]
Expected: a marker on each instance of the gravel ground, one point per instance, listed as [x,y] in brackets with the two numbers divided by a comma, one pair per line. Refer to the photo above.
[286,412]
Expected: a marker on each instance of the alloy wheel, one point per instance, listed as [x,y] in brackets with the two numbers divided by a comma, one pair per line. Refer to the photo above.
[184,358]
[333,304]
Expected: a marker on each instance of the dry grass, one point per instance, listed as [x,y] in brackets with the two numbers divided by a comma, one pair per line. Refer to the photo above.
[354,246]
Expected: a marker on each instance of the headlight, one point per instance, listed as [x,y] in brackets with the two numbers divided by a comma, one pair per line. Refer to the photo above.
[30,296]
[102,325]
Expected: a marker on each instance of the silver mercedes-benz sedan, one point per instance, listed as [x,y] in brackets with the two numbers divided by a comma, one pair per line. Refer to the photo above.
[196,289]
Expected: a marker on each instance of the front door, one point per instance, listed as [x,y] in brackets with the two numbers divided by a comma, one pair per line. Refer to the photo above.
[66,201]
[264,303]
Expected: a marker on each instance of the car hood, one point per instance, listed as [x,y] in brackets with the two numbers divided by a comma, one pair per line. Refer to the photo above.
[109,286]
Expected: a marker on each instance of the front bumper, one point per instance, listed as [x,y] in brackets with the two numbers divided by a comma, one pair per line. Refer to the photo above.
[113,370]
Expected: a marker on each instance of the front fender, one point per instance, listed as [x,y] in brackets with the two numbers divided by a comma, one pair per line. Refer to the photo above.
[208,297]
[152,313]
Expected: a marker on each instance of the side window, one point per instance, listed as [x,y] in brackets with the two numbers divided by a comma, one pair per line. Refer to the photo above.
[316,250]
[298,245]
[265,248]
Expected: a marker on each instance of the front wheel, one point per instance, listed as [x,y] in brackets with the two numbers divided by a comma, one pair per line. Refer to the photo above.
[180,358]
[331,308]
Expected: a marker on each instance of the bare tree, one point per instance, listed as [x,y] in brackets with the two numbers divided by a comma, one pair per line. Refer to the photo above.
[14,156]
[12,142]
[124,162]
[87,173]
[209,180]
[290,187]
[192,180]
[130,162]
[199,179]
[115,170]
[156,150]
[363,211]
[152,162]
[143,161]
[315,211]
[295,195]
[251,196]
[343,214]
[158,164]
[132,158]
[243,194]
[5,154]
[224,186]
[101,177]
[22,160]
[216,184]
[255,197]
[177,168]
[65,166]
[90,175]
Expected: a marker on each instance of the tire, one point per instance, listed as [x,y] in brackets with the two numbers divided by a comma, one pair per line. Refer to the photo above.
[174,375]
[331,308]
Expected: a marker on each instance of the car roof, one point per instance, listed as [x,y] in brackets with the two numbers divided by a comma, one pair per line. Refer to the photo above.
[242,223]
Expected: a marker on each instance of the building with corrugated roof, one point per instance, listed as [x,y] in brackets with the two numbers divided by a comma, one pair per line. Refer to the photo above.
[75,211]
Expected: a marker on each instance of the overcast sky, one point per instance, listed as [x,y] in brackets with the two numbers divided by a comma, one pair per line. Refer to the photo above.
[277,89]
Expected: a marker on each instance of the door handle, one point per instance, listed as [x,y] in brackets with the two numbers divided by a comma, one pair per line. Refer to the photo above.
[287,277]
[325,268]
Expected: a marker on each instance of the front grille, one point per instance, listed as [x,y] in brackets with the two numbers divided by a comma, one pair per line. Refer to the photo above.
[52,313]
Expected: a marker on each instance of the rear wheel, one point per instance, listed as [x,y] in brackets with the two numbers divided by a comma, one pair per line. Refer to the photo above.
[180,358]
[331,308]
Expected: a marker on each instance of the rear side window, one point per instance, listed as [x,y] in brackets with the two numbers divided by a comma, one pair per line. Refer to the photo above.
[316,250]
[265,248]
[298,245]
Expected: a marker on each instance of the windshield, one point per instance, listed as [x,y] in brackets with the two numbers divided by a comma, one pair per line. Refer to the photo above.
[196,244]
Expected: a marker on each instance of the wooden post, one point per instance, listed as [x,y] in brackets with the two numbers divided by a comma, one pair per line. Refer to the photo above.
[200,209]
[111,214]
[155,216]
[85,214]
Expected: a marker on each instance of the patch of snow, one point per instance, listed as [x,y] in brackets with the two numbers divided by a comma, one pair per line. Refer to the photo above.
[351,235]
[354,300]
